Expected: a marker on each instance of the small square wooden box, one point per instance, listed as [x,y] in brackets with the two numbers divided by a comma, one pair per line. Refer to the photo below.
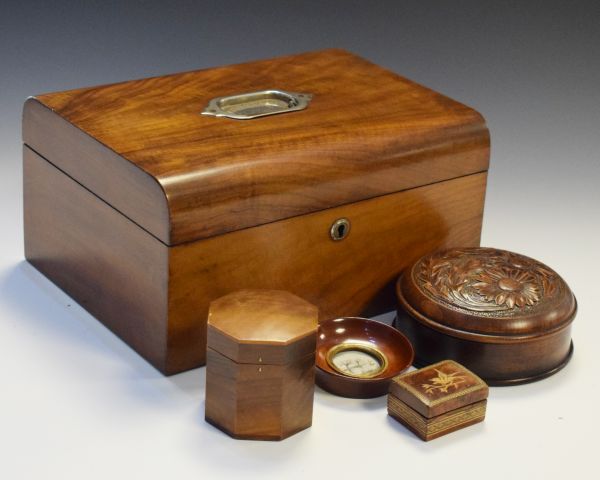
[260,368]
[438,399]
[144,210]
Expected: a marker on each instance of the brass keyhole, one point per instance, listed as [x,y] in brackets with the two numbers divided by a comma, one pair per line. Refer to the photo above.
[340,229]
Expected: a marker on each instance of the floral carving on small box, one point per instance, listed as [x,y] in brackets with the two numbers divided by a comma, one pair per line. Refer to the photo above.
[443,382]
[485,279]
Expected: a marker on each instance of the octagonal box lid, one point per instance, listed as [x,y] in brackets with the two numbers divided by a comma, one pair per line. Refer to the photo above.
[271,327]
[144,147]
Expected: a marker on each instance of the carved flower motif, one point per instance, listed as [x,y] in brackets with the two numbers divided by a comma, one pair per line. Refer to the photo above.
[508,287]
[485,280]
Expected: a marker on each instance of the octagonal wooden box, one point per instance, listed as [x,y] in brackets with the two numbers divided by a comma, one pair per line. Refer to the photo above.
[260,365]
[144,210]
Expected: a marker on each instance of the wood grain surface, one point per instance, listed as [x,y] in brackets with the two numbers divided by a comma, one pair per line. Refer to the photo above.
[434,427]
[260,363]
[104,172]
[146,211]
[344,278]
[439,388]
[259,402]
[156,298]
[144,147]
[109,265]
[497,363]
[263,316]
[262,326]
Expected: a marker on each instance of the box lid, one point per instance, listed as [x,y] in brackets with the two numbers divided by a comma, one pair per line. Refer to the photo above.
[144,147]
[439,388]
[271,327]
[486,295]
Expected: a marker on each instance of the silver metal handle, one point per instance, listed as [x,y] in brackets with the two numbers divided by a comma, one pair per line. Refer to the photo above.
[257,104]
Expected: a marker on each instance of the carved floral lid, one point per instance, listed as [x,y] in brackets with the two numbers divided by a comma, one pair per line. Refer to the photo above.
[485,291]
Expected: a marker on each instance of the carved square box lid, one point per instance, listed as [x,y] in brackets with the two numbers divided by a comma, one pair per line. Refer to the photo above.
[439,388]
[146,148]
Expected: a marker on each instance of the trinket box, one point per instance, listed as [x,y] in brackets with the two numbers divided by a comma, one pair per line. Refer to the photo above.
[505,316]
[321,174]
[260,364]
[438,399]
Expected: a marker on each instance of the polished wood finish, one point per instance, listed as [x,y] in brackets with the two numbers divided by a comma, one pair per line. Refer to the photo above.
[175,209]
[108,264]
[121,184]
[430,428]
[394,346]
[262,326]
[439,388]
[344,278]
[498,364]
[505,316]
[267,402]
[143,147]
[259,383]
[488,291]
[63,227]
[438,399]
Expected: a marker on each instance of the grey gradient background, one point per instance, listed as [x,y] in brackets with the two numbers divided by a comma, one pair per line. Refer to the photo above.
[532,68]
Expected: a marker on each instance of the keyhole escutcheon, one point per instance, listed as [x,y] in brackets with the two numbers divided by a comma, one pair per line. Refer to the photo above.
[339,229]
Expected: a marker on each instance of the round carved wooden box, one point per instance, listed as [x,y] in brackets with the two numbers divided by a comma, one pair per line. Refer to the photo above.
[504,316]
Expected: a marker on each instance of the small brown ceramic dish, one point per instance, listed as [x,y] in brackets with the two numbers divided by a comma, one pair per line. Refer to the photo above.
[357,357]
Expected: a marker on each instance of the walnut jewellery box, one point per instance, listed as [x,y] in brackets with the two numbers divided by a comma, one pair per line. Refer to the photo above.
[144,210]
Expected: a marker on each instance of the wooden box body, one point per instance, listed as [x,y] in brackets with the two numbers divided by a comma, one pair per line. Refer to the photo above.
[438,399]
[144,211]
[256,401]
[260,371]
